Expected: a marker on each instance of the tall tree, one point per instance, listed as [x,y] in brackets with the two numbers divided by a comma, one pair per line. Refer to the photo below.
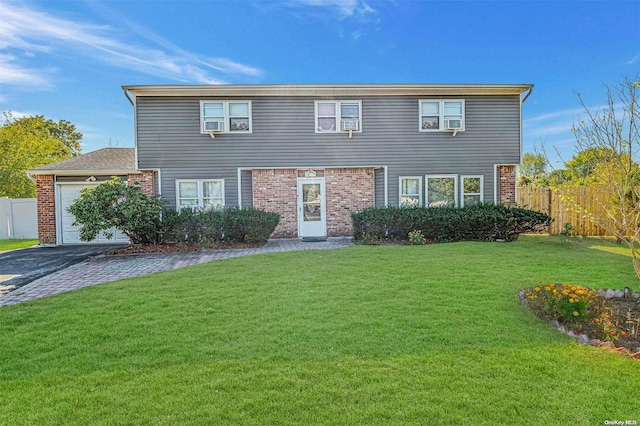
[533,170]
[30,142]
[609,143]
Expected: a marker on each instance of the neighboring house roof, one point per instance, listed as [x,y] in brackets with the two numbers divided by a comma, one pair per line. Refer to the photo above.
[105,161]
[328,90]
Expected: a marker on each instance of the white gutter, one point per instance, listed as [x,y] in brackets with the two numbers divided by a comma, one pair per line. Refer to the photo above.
[527,95]
[135,124]
[522,101]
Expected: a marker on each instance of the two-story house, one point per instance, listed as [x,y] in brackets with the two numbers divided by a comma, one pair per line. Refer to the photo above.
[313,153]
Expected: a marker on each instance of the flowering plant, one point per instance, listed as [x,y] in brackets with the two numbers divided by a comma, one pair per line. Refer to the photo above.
[577,307]
[416,238]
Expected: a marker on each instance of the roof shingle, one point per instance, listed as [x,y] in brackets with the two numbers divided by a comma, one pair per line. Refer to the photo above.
[105,160]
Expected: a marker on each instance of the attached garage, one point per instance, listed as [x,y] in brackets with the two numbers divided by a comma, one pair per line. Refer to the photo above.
[70,233]
[59,184]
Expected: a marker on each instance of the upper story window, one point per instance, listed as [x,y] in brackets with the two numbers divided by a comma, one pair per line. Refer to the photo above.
[338,116]
[225,116]
[441,115]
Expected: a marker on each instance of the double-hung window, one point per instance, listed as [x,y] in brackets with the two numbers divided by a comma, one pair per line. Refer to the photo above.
[225,116]
[410,191]
[204,194]
[338,116]
[437,115]
[472,192]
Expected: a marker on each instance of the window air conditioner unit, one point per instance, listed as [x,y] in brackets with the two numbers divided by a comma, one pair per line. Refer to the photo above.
[350,125]
[454,124]
[214,126]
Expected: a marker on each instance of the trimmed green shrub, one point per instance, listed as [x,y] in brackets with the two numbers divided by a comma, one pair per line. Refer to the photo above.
[248,224]
[115,204]
[478,222]
[208,226]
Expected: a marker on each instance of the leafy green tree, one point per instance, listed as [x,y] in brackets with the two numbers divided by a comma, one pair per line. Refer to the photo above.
[30,142]
[608,140]
[115,204]
[533,170]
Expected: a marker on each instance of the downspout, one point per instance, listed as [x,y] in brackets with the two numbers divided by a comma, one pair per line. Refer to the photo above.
[521,136]
[527,95]
[126,94]
[135,126]
[31,177]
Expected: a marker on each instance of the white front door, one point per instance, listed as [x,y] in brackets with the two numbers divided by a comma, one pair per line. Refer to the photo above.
[312,217]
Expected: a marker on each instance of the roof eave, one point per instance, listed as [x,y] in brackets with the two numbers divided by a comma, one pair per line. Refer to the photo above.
[91,172]
[327,90]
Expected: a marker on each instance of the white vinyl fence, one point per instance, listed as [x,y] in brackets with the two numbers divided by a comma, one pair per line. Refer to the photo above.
[18,218]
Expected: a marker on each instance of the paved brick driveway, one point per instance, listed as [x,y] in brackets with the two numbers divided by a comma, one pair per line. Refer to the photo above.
[104,269]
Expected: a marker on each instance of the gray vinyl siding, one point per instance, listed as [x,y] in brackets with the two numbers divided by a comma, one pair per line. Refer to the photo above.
[378,176]
[247,188]
[283,135]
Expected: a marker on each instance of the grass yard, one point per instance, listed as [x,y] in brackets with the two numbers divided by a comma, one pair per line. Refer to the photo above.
[363,335]
[12,244]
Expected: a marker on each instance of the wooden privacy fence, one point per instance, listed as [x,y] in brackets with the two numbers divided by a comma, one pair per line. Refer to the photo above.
[547,201]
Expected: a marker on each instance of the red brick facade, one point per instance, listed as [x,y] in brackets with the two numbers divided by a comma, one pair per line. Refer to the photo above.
[507,185]
[347,191]
[276,190]
[146,181]
[45,185]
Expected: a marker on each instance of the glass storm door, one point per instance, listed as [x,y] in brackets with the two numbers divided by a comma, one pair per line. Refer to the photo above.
[312,220]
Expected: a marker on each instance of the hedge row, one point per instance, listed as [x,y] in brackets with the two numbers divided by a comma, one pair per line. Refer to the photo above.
[209,226]
[478,222]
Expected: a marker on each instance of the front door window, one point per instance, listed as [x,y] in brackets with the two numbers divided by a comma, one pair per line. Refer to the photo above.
[311,197]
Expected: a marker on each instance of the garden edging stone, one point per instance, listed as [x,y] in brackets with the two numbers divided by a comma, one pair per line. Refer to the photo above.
[583,338]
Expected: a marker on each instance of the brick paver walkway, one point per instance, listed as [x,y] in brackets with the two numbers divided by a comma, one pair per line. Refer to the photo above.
[104,269]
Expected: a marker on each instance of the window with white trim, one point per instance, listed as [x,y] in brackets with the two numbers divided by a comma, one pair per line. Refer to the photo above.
[472,189]
[410,191]
[441,190]
[225,116]
[204,194]
[338,116]
[438,115]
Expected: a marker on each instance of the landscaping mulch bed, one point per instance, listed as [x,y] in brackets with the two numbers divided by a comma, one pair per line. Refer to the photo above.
[180,248]
[626,313]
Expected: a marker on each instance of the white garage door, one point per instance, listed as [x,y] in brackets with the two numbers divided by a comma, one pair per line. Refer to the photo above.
[70,234]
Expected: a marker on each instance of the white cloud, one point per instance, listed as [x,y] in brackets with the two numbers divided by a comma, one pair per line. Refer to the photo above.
[13,73]
[25,31]
[562,114]
[555,123]
[551,133]
[357,10]
[343,7]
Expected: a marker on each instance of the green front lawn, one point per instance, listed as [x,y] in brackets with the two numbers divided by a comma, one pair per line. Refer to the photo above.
[11,244]
[362,335]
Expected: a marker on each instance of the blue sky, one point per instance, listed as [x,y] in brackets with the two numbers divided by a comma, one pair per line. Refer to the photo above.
[69,59]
